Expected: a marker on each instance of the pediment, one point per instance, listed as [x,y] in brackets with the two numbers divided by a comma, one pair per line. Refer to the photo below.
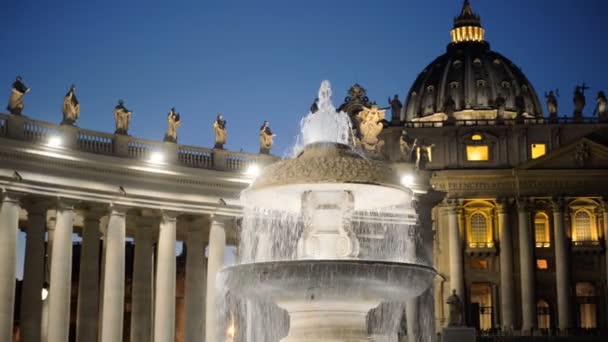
[580,154]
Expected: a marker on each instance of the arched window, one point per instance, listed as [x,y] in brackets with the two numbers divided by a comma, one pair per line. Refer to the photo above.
[541,231]
[479,230]
[543,314]
[582,226]
[586,298]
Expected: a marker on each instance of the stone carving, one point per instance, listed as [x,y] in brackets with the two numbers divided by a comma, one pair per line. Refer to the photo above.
[15,101]
[455,304]
[582,154]
[219,130]
[122,117]
[601,109]
[370,126]
[579,101]
[173,122]
[395,108]
[266,138]
[424,155]
[406,146]
[71,107]
[552,106]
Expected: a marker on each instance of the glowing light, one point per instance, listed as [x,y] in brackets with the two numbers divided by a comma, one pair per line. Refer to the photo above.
[156,158]
[407,180]
[468,34]
[538,150]
[45,293]
[55,141]
[253,170]
[478,153]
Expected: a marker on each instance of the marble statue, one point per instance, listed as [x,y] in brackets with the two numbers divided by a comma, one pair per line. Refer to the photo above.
[173,122]
[579,100]
[601,108]
[122,117]
[552,106]
[15,101]
[370,127]
[455,304]
[395,107]
[406,146]
[219,130]
[71,107]
[266,138]
[424,155]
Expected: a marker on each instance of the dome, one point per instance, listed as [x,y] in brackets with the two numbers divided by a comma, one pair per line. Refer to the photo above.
[470,81]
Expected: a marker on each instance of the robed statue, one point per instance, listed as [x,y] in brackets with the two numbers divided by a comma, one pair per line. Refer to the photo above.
[579,101]
[219,130]
[455,304]
[424,154]
[122,117]
[552,106]
[370,127]
[15,101]
[601,109]
[266,138]
[406,146]
[173,122]
[395,108]
[71,107]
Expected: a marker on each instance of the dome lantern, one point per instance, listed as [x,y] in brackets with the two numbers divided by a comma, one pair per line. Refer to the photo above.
[467,26]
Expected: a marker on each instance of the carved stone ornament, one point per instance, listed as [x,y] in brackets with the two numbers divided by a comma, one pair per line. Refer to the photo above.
[582,154]
[370,127]
[173,122]
[122,118]
[71,107]
[15,101]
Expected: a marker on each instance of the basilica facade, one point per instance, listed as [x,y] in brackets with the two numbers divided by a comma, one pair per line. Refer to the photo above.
[520,236]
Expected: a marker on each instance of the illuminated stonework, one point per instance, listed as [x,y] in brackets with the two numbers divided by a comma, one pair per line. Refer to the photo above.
[468,34]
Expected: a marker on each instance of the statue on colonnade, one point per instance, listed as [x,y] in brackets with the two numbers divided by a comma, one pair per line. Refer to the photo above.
[15,101]
[122,117]
[174,122]
[266,138]
[219,130]
[71,107]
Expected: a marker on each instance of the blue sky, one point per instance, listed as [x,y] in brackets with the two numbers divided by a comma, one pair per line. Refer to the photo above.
[264,60]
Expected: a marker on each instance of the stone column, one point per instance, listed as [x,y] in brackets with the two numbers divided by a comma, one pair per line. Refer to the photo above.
[455,250]
[164,310]
[87,315]
[50,232]
[143,280]
[195,283]
[9,225]
[507,312]
[215,260]
[33,273]
[114,276]
[61,274]
[562,272]
[526,262]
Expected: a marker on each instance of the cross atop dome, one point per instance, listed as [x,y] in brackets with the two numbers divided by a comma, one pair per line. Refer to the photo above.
[467,26]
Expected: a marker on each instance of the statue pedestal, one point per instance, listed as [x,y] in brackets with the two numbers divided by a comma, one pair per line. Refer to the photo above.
[458,334]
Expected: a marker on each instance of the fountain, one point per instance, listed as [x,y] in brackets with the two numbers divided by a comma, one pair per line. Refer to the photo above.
[327,237]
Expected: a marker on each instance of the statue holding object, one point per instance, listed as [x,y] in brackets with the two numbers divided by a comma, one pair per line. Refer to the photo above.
[579,101]
[15,101]
[552,106]
[71,107]
[174,122]
[266,138]
[219,130]
[122,118]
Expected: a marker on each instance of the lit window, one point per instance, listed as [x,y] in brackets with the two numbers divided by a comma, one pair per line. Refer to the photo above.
[543,314]
[476,137]
[542,264]
[479,230]
[541,231]
[582,227]
[538,150]
[587,299]
[478,153]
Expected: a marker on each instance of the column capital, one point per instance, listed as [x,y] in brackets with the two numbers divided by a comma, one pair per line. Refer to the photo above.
[557,204]
[62,203]
[503,205]
[118,209]
[169,215]
[523,204]
[11,196]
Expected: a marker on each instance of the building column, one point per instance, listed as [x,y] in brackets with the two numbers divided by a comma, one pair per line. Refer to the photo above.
[455,250]
[9,225]
[215,260]
[507,312]
[114,276]
[164,310]
[87,315]
[33,273]
[562,264]
[526,262]
[143,279]
[195,283]
[61,274]
[50,233]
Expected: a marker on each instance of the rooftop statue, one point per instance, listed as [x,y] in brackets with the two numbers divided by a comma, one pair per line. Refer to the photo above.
[15,101]
[266,138]
[71,107]
[122,117]
[219,130]
[552,106]
[174,122]
[370,127]
[601,108]
[455,304]
[579,100]
[396,106]
[406,146]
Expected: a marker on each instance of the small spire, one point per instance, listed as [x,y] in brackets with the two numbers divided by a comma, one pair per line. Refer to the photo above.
[467,26]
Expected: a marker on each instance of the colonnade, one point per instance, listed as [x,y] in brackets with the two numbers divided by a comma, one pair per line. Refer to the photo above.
[101,292]
[526,245]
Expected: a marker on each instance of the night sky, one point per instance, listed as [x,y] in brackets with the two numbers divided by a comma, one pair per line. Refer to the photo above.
[264,60]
